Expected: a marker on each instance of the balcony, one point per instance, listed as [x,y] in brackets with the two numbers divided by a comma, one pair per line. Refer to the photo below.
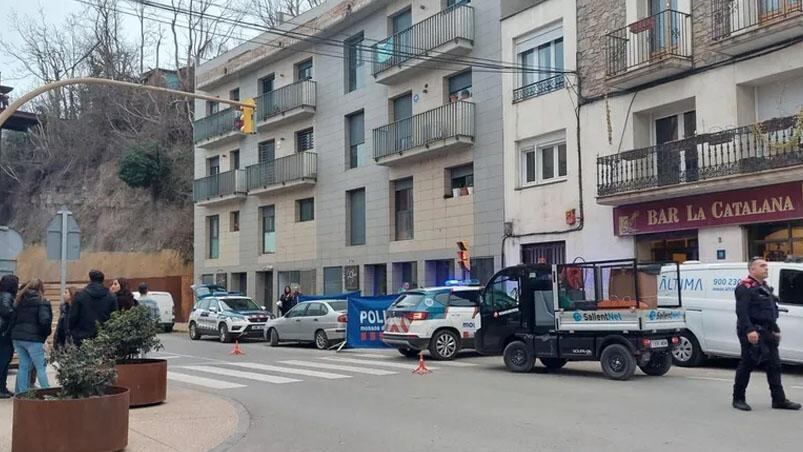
[288,103]
[740,26]
[538,88]
[217,129]
[300,169]
[434,39]
[650,49]
[450,127]
[765,153]
[219,188]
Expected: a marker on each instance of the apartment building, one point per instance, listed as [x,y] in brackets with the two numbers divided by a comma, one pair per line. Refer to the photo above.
[692,113]
[377,149]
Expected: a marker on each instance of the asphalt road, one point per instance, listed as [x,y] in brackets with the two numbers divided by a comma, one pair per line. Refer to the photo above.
[302,399]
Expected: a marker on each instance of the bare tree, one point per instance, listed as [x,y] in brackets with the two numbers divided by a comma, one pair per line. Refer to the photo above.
[271,12]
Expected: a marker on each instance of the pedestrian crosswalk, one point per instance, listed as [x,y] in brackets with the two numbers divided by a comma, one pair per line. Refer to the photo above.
[225,375]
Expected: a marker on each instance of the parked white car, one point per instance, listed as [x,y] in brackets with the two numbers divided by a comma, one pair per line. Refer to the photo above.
[708,297]
[166,306]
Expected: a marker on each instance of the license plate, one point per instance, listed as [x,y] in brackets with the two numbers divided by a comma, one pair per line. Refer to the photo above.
[659,343]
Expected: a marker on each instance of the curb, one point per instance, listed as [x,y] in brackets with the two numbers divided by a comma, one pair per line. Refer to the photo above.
[243,426]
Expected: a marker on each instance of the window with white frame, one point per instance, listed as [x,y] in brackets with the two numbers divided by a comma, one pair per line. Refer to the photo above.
[542,162]
[542,49]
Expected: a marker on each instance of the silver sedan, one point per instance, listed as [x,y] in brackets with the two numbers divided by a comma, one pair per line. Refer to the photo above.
[322,322]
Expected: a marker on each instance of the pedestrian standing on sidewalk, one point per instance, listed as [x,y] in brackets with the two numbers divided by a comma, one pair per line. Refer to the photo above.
[285,300]
[9,284]
[147,300]
[91,306]
[63,325]
[32,325]
[759,336]
[122,290]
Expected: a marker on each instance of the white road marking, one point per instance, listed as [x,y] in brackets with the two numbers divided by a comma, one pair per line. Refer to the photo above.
[368,355]
[359,370]
[710,378]
[289,370]
[201,381]
[797,387]
[412,365]
[455,364]
[240,374]
[167,357]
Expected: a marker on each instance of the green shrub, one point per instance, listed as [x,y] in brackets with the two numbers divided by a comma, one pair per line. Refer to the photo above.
[139,169]
[128,334]
[84,371]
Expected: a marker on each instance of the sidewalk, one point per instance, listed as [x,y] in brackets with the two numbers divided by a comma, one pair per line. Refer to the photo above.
[187,421]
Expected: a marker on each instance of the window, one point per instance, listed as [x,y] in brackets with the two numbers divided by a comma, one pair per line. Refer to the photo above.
[213,166]
[544,253]
[356,217]
[235,159]
[265,84]
[332,280]
[502,295]
[305,140]
[543,163]
[542,49]
[267,151]
[403,209]
[298,310]
[402,20]
[305,209]
[464,298]
[213,237]
[355,63]
[208,280]
[268,223]
[791,290]
[234,221]
[212,107]
[300,279]
[356,139]
[450,3]
[234,94]
[304,70]
[776,241]
[460,86]
[317,310]
[461,178]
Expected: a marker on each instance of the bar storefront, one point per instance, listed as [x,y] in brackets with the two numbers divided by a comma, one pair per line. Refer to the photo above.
[717,227]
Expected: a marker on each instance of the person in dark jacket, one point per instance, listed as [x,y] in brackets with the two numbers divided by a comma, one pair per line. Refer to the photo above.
[92,305]
[63,326]
[285,300]
[121,289]
[8,292]
[33,319]
[759,336]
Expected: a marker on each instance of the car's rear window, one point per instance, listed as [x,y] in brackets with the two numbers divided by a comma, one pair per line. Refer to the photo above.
[338,305]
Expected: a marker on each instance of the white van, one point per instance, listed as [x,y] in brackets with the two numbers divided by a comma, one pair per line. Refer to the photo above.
[707,292]
[166,306]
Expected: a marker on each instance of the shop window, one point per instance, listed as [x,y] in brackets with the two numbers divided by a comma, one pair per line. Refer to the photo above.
[668,247]
[776,241]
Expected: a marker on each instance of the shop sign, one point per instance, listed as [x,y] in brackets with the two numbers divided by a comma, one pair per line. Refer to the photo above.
[753,205]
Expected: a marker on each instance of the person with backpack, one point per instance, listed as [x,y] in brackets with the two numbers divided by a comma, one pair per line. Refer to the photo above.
[32,325]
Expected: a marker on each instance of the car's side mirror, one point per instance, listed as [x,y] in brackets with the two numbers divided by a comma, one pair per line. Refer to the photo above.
[264,308]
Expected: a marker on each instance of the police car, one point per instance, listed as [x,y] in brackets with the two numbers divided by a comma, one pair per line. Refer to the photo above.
[440,319]
[227,316]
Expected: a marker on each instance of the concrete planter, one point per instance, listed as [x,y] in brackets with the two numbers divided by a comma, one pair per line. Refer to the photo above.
[89,425]
[146,378]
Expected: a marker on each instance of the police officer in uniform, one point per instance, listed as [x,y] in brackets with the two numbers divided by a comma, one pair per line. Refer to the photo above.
[759,336]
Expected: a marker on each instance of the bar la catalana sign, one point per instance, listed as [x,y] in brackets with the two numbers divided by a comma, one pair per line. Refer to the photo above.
[751,205]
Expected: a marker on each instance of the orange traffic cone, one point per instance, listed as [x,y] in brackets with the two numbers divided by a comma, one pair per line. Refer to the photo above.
[237,350]
[422,367]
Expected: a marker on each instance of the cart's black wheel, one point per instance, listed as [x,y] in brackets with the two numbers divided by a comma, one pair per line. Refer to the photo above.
[518,357]
[553,363]
[659,364]
[618,362]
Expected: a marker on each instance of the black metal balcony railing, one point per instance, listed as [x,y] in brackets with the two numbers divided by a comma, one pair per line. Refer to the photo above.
[218,185]
[776,143]
[453,23]
[214,125]
[451,120]
[734,16]
[286,98]
[649,40]
[299,166]
[538,88]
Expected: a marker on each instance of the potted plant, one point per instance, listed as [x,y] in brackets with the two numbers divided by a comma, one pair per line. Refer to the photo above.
[85,413]
[128,336]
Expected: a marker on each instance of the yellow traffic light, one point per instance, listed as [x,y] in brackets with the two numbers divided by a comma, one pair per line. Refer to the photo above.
[246,117]
[462,255]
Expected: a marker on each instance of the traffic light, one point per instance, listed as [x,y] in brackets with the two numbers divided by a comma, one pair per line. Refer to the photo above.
[462,255]
[245,118]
